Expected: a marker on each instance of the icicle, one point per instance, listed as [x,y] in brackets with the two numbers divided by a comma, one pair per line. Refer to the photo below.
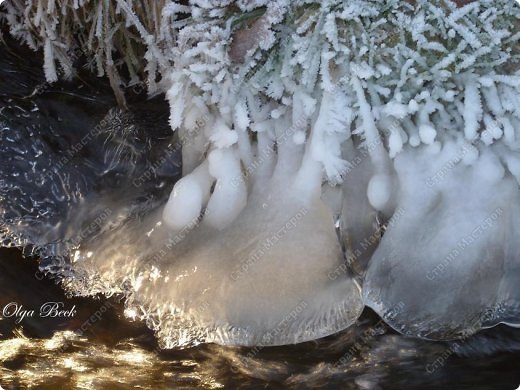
[380,186]
[372,138]
[395,140]
[241,115]
[331,129]
[427,132]
[288,152]
[230,194]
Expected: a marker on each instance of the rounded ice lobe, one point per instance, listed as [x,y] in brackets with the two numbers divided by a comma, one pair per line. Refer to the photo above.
[448,264]
[188,197]
[427,134]
[379,190]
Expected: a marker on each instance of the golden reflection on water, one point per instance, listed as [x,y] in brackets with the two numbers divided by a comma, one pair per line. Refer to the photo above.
[70,361]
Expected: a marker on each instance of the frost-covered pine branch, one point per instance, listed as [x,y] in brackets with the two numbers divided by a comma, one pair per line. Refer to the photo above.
[404,74]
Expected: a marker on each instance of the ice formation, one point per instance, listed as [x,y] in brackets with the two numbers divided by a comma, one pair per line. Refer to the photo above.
[268,271]
[398,122]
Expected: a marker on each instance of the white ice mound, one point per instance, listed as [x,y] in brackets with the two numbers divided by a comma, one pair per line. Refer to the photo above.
[449,262]
[264,280]
[268,272]
[211,267]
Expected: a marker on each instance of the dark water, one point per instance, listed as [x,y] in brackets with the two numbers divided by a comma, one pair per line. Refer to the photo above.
[97,348]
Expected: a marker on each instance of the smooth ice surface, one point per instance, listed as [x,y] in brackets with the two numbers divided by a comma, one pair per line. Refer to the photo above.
[274,276]
[449,257]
